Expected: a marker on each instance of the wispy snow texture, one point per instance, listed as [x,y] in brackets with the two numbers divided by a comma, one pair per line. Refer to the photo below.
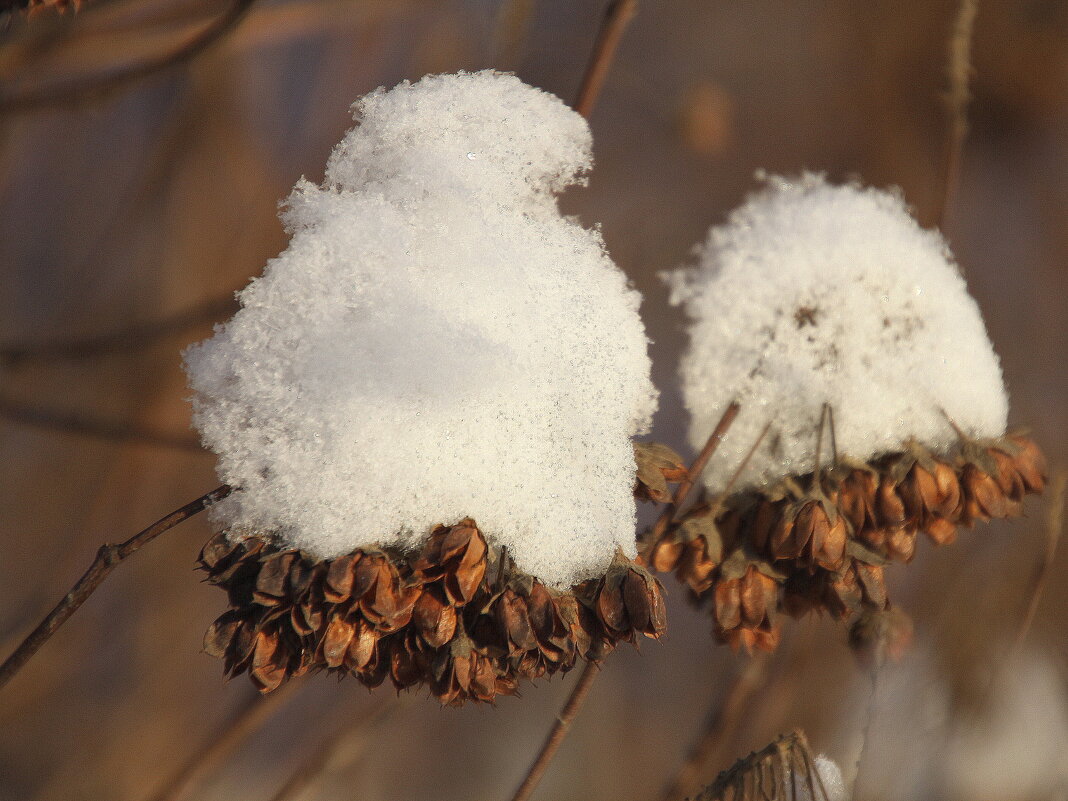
[831,777]
[830,787]
[436,342]
[812,294]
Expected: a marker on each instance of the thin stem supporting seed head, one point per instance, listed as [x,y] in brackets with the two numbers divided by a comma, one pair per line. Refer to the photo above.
[107,559]
[558,732]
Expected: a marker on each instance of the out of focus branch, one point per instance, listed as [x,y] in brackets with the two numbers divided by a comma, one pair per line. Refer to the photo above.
[1054,529]
[722,721]
[235,731]
[128,338]
[616,19]
[73,423]
[107,559]
[350,741]
[97,85]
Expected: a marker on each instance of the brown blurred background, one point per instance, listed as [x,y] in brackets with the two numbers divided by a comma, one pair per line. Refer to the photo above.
[126,207]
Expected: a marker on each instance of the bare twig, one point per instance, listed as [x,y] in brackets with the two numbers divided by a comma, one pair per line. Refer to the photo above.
[616,18]
[107,559]
[248,719]
[73,423]
[127,338]
[510,30]
[695,470]
[957,99]
[1054,529]
[97,85]
[721,722]
[834,438]
[558,732]
[817,470]
[351,739]
[724,493]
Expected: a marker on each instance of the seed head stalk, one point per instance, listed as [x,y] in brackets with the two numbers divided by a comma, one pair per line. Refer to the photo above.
[107,559]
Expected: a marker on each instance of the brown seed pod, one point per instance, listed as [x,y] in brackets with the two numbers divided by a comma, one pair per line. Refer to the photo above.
[658,465]
[434,618]
[827,541]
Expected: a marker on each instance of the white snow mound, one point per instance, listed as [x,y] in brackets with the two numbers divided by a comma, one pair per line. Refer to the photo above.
[811,294]
[436,342]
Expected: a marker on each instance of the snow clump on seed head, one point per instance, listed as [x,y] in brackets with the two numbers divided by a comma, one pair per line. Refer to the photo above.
[811,294]
[436,342]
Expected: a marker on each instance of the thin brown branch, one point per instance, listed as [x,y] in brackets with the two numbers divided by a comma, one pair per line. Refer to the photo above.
[247,720]
[1040,577]
[724,493]
[558,732]
[73,423]
[127,338]
[957,99]
[350,741]
[107,559]
[616,18]
[97,85]
[695,470]
[721,722]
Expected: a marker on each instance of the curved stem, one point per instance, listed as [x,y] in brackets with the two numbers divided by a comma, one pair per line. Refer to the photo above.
[107,559]
[558,733]
[78,90]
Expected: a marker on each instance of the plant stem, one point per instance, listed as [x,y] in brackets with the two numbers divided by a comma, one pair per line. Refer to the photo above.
[245,721]
[107,558]
[74,423]
[616,18]
[1054,528]
[865,734]
[959,73]
[695,470]
[558,732]
[351,740]
[127,338]
[96,85]
[721,722]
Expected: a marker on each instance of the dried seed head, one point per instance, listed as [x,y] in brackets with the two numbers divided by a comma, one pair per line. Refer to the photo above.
[827,546]
[435,618]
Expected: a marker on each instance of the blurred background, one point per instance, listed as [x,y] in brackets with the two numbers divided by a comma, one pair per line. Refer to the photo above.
[154,199]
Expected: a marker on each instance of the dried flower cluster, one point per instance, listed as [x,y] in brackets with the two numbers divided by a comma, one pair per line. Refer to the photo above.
[467,627]
[820,542]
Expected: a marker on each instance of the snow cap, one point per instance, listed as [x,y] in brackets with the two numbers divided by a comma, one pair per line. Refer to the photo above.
[812,294]
[436,342]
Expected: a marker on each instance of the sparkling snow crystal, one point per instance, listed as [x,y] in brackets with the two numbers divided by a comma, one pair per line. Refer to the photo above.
[813,294]
[436,342]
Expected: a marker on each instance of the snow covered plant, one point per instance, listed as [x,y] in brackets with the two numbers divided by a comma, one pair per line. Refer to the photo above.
[871,405]
[436,346]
